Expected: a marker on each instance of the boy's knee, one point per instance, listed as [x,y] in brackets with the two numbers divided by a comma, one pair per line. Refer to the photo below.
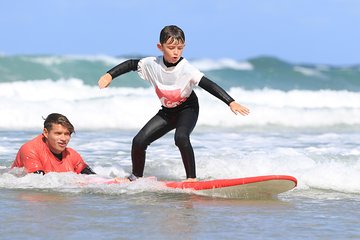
[139,141]
[182,140]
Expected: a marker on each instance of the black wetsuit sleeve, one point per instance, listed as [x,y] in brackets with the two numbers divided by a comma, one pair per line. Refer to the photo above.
[87,170]
[124,67]
[215,90]
[40,172]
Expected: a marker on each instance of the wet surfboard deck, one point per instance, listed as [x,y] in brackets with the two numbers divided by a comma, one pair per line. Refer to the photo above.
[258,187]
[248,187]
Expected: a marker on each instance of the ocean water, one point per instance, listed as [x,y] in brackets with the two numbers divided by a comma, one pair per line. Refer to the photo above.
[304,122]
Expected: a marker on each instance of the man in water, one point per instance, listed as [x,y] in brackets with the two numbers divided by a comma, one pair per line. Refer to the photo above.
[48,152]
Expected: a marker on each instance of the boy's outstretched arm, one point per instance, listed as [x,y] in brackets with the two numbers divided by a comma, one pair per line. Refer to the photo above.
[127,66]
[221,94]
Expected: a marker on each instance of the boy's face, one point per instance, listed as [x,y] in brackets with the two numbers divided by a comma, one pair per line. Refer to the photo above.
[172,50]
[57,138]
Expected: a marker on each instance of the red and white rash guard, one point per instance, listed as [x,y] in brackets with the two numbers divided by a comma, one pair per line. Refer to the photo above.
[35,155]
[173,85]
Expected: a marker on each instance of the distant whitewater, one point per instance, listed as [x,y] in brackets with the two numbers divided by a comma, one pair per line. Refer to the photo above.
[279,94]
[257,73]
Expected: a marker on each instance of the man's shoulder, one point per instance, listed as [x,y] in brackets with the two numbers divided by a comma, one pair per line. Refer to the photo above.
[33,143]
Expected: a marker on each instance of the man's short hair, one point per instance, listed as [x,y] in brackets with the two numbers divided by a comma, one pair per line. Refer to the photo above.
[57,118]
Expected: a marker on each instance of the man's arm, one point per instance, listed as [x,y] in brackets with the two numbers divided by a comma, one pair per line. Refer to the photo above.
[28,158]
[87,170]
[80,166]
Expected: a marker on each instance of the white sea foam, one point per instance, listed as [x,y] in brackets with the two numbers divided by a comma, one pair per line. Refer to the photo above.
[325,161]
[210,64]
[24,103]
[309,71]
[202,64]
[56,60]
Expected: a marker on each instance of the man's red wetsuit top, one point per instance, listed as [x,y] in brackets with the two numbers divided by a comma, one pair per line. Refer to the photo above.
[35,155]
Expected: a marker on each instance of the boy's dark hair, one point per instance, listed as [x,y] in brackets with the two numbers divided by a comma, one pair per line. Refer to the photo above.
[173,32]
[57,118]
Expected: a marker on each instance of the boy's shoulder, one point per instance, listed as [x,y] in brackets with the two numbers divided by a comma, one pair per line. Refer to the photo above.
[151,59]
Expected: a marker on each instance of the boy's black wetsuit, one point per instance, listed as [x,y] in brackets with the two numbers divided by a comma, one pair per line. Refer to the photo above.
[182,118]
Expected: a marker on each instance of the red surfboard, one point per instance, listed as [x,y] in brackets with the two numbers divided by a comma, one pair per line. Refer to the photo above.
[249,187]
[246,188]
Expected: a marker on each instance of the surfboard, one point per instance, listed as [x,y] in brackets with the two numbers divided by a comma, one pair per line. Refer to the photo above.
[246,188]
[258,187]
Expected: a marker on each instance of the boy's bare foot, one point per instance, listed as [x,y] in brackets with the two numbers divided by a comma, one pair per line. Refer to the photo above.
[121,180]
[190,180]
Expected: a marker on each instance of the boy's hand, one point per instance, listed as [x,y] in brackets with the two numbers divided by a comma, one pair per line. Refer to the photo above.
[237,108]
[105,80]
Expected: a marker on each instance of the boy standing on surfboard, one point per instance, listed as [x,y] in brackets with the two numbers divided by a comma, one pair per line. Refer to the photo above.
[173,78]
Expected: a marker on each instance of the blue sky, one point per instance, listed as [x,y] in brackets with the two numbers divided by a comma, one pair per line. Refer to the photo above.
[299,31]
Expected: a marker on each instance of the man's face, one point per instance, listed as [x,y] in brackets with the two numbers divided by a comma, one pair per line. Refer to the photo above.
[172,50]
[57,138]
